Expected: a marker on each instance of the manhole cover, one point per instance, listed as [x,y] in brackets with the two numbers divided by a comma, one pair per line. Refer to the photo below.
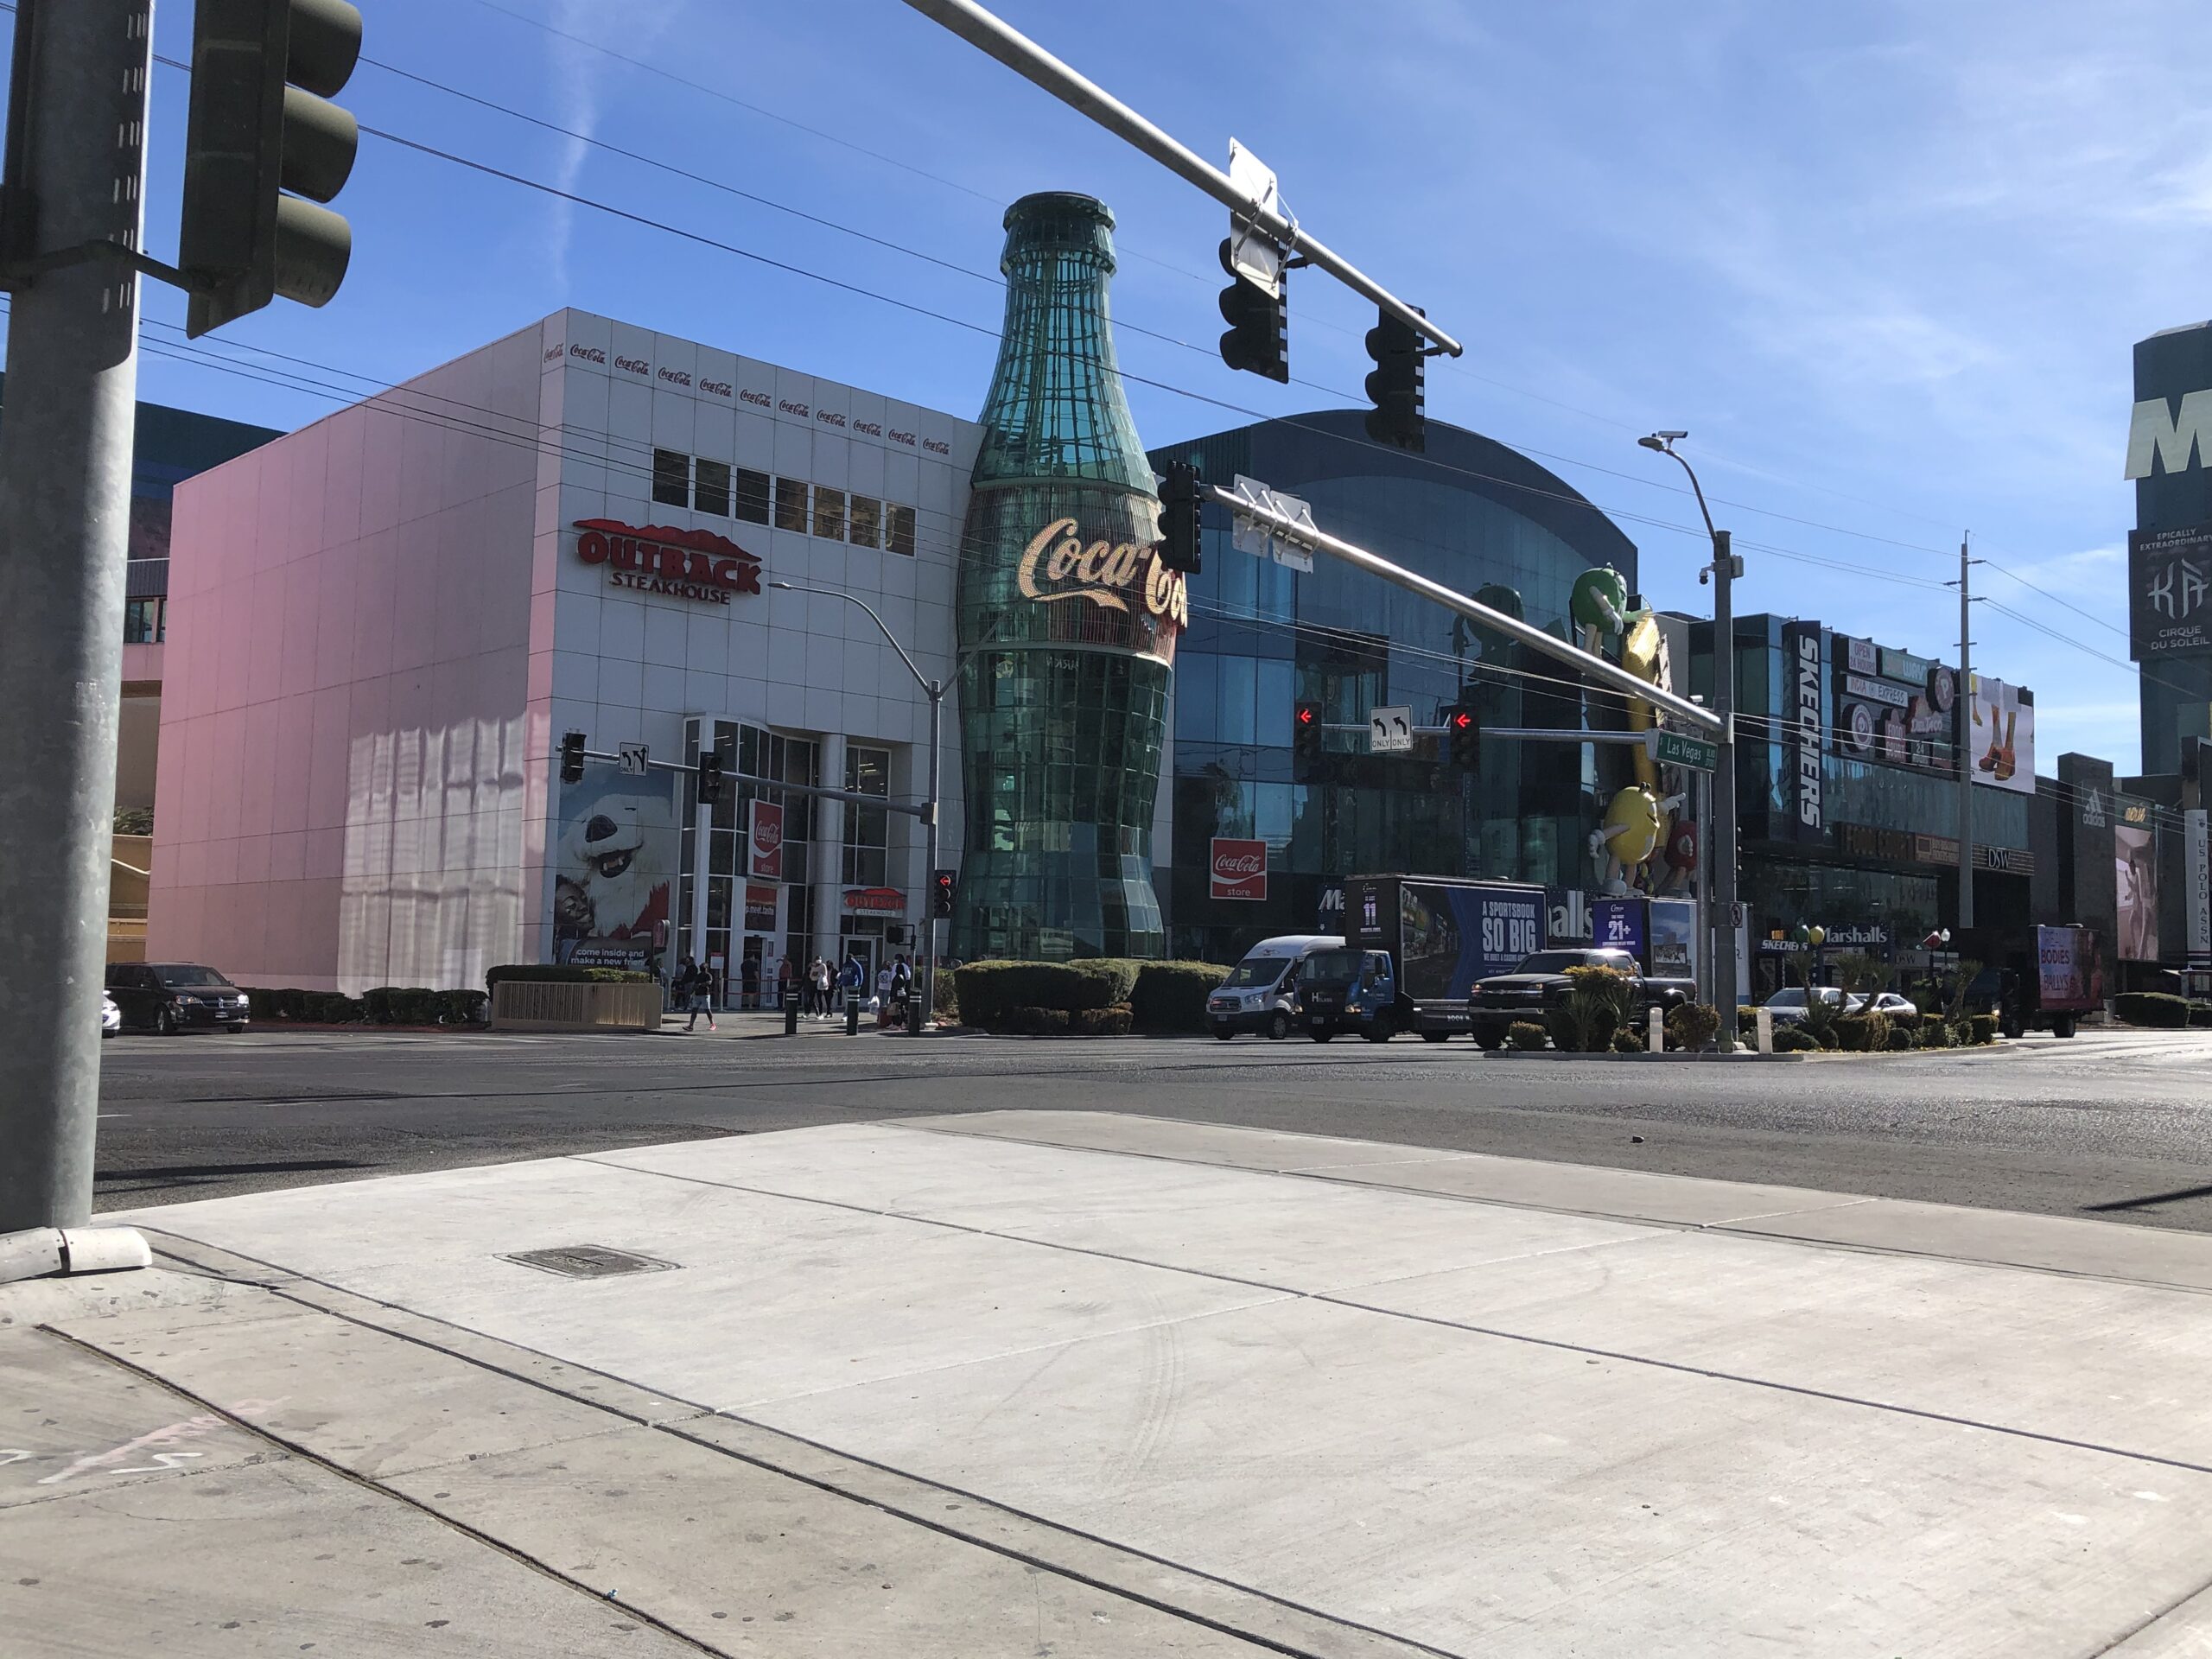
[589,1262]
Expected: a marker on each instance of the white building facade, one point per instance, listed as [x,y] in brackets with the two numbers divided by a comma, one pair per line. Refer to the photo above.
[382,625]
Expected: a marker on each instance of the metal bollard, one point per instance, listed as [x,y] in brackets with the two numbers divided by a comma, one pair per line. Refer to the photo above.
[1764,1020]
[852,1015]
[790,1011]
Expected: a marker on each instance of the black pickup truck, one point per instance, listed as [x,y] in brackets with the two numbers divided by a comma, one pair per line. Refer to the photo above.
[1540,980]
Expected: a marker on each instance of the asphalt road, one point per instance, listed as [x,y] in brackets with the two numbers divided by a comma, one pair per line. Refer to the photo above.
[2113,1126]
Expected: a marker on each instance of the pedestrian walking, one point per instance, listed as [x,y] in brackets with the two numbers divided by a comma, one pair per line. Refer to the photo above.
[821,978]
[853,979]
[696,985]
[883,979]
[749,982]
[783,981]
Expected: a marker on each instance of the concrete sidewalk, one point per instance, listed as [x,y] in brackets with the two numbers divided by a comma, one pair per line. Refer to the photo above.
[1033,1382]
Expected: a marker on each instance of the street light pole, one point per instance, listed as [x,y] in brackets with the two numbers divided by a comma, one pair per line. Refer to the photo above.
[1724,570]
[934,690]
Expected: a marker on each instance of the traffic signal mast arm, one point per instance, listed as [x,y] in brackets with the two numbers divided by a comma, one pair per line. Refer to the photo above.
[917,809]
[1596,667]
[1030,61]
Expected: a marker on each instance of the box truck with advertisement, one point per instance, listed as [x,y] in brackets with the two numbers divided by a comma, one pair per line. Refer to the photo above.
[1414,945]
[2041,977]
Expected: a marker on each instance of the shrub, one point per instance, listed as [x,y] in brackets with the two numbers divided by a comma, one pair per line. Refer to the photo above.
[1101,1022]
[1035,1022]
[1625,1041]
[1525,1036]
[1170,996]
[2200,1014]
[1593,1010]
[1935,1034]
[461,1007]
[1793,1040]
[561,973]
[1862,1034]
[1981,1028]
[2159,1008]
[1692,1025]
[1747,1020]
[1902,1036]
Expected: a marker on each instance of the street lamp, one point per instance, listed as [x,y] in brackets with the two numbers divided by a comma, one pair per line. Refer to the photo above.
[934,690]
[1723,571]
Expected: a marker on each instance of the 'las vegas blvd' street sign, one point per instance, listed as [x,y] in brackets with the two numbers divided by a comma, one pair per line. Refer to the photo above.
[1678,749]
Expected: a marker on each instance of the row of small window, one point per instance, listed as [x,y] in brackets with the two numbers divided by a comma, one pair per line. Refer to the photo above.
[144,620]
[727,491]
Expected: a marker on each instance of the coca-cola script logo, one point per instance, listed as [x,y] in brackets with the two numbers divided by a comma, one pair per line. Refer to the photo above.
[1058,564]
[714,388]
[906,438]
[789,408]
[694,564]
[937,446]
[636,366]
[749,395]
[589,355]
[766,834]
[675,377]
[1240,869]
[873,429]
[553,354]
[828,419]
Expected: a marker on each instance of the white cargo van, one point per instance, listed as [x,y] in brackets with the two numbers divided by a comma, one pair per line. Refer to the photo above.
[1258,993]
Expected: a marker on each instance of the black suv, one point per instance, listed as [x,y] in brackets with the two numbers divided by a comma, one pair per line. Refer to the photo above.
[172,996]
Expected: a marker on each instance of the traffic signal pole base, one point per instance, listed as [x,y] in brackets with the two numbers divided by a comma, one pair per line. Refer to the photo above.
[45,1252]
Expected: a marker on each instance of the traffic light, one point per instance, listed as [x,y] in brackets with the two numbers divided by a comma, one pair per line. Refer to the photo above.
[942,892]
[258,138]
[1306,731]
[1180,499]
[1395,387]
[1259,323]
[572,757]
[710,777]
[1462,738]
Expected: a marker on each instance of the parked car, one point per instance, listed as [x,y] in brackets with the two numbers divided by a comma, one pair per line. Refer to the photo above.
[172,996]
[1885,1002]
[1789,1005]
[111,1016]
[1541,983]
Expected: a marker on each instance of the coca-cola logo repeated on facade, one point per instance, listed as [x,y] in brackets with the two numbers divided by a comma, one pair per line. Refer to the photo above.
[694,564]
[1239,870]
[715,388]
[636,366]
[761,399]
[675,377]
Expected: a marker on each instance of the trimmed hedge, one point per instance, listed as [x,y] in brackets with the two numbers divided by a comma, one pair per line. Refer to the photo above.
[1171,996]
[1035,1022]
[1692,1025]
[2200,1014]
[1625,1041]
[561,973]
[1526,1035]
[1101,1022]
[1862,1034]
[2159,1008]
[1981,1028]
[1793,1039]
[1902,1036]
[313,1008]
[386,1005]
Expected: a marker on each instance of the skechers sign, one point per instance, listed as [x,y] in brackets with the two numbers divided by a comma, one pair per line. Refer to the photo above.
[1800,653]
[694,564]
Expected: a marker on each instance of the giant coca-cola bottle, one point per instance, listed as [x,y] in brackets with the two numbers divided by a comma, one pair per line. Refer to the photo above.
[1068,620]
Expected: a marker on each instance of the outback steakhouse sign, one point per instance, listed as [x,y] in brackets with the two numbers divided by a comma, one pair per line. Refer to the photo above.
[693,564]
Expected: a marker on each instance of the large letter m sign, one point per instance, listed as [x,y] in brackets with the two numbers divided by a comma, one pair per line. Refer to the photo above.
[2177,440]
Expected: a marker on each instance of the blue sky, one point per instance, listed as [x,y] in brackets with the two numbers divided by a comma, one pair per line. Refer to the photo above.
[1885,261]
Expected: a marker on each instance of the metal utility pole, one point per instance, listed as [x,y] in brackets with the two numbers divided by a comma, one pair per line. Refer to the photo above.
[1031,61]
[1724,570]
[934,690]
[1964,708]
[75,174]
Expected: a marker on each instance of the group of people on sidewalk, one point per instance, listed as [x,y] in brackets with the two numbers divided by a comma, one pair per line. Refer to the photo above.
[823,990]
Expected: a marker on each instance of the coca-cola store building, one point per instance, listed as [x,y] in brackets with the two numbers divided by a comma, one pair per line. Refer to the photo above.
[383,624]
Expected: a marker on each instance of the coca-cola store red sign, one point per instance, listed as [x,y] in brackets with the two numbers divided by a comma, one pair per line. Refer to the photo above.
[765,832]
[1240,869]
[693,564]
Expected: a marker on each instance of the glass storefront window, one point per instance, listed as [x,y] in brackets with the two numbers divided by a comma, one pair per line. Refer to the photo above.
[710,486]
[828,513]
[899,530]
[752,496]
[868,828]
[866,515]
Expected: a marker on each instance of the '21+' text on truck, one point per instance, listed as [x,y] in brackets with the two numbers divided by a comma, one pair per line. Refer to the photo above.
[1415,945]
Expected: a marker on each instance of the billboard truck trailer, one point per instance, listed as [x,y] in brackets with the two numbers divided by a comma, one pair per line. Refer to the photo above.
[1437,936]
[2041,978]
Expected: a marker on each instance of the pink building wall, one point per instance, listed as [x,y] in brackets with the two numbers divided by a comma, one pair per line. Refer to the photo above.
[341,768]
